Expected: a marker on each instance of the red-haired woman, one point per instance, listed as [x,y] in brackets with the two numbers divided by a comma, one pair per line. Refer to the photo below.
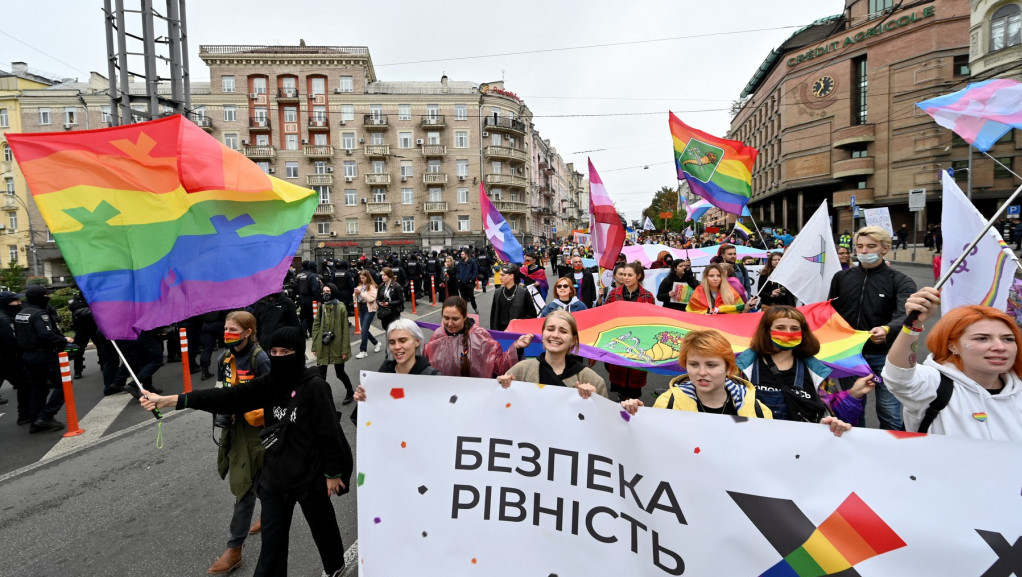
[781,363]
[629,382]
[973,361]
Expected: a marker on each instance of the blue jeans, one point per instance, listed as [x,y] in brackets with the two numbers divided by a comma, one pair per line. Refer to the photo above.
[888,406]
[366,319]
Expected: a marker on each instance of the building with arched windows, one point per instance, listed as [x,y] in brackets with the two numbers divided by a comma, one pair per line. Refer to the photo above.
[995,39]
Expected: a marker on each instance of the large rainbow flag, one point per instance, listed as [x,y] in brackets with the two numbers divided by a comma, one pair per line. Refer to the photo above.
[159,221]
[716,169]
[645,336]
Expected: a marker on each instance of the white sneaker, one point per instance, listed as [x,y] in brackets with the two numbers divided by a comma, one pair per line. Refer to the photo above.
[361,355]
[376,349]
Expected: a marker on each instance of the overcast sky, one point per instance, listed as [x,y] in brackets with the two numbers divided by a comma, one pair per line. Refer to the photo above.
[697,76]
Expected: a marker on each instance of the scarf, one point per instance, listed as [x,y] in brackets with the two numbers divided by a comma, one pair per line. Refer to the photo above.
[572,366]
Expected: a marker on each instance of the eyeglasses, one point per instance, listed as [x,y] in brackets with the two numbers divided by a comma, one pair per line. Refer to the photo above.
[564,286]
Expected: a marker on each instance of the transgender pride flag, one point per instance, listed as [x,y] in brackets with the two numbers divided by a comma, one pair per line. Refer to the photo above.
[497,230]
[980,113]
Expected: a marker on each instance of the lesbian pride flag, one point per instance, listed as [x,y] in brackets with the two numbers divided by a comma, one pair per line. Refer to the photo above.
[498,232]
[716,169]
[159,221]
[980,113]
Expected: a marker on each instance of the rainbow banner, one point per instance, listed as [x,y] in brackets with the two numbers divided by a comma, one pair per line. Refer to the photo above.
[159,221]
[716,169]
[645,336]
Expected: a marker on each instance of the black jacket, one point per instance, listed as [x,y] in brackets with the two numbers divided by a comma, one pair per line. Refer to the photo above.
[395,304]
[765,294]
[663,293]
[868,298]
[273,312]
[421,366]
[314,445]
[503,311]
[589,292]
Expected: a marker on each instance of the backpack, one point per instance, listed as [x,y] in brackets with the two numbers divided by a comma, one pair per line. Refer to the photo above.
[944,391]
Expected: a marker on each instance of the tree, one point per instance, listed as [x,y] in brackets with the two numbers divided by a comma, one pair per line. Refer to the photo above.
[666,200]
[13,277]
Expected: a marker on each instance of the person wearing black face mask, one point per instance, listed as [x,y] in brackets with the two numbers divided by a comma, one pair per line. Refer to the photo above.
[11,368]
[331,340]
[40,339]
[304,445]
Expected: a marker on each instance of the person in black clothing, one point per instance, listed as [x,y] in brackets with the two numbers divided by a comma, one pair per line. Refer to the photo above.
[434,279]
[310,459]
[211,333]
[902,237]
[390,300]
[770,292]
[309,286]
[11,367]
[413,270]
[585,286]
[404,348]
[871,297]
[511,301]
[483,260]
[40,339]
[468,274]
[346,281]
[680,273]
[274,311]
[85,329]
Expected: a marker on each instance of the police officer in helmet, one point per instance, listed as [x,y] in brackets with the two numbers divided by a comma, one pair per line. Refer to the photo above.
[40,339]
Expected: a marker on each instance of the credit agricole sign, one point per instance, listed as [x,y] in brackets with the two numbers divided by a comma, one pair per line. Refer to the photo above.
[888,25]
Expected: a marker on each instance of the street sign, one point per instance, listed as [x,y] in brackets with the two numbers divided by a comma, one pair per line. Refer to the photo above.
[856,213]
[553,229]
[1013,210]
[852,200]
[666,215]
[917,199]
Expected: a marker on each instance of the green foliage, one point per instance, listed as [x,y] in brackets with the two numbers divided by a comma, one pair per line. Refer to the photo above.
[13,277]
[39,280]
[59,301]
[665,200]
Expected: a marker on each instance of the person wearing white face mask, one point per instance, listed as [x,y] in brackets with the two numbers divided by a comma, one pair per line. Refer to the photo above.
[871,297]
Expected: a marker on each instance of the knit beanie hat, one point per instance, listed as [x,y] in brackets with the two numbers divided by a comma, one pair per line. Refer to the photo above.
[288,338]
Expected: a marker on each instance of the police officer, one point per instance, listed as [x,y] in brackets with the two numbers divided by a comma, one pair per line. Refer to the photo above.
[310,286]
[434,267]
[40,339]
[484,268]
[413,270]
[11,368]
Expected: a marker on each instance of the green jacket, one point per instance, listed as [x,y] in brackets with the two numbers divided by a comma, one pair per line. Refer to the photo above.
[241,454]
[333,317]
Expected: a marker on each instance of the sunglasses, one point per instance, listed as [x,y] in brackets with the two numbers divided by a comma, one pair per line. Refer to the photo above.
[564,286]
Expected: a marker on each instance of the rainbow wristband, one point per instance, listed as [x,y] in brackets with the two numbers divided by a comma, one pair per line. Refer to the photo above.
[905,329]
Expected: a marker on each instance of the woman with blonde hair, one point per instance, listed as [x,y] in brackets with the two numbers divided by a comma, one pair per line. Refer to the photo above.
[715,295]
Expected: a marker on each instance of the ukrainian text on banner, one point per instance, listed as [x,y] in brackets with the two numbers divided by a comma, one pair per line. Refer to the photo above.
[465,478]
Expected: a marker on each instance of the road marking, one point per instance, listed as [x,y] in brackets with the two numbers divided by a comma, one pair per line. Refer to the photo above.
[95,425]
[351,560]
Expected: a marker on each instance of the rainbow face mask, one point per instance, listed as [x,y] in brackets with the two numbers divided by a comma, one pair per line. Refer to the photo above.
[785,340]
[231,338]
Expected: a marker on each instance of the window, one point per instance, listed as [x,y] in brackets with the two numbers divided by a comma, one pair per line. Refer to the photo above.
[262,140]
[463,223]
[8,154]
[350,197]
[876,6]
[462,168]
[496,138]
[433,110]
[319,113]
[1000,171]
[460,112]
[404,139]
[324,193]
[230,113]
[404,111]
[498,167]
[379,224]
[323,227]
[347,84]
[44,116]
[320,139]
[318,85]
[432,138]
[290,114]
[434,166]
[860,83]
[259,85]
[406,169]
[350,169]
[12,221]
[231,140]
[379,195]
[288,84]
[12,253]
[376,138]
[320,167]
[260,113]
[70,115]
[104,114]
[291,142]
[4,119]
[408,224]
[496,194]
[264,166]
[379,166]
[436,223]
[227,83]
[348,140]
[859,151]
[347,112]
[9,185]
[461,139]
[436,195]
[139,108]
[1005,27]
[462,196]
[961,65]
[407,196]
[291,169]
[352,225]
[376,110]
[861,185]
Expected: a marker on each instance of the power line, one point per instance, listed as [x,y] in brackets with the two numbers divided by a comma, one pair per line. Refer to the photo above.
[588,46]
[50,56]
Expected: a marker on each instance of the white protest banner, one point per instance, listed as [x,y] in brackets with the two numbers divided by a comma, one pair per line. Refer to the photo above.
[879,217]
[457,476]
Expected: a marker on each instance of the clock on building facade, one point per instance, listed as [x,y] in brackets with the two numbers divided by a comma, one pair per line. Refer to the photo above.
[823,87]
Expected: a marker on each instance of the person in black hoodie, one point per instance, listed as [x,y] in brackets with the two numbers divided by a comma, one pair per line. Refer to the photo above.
[309,460]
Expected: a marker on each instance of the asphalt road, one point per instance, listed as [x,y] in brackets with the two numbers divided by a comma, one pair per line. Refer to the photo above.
[113,501]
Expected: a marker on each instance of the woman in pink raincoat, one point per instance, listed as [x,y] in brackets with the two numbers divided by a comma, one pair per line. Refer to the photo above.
[462,348]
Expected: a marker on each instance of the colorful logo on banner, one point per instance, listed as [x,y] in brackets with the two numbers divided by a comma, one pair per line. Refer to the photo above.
[653,344]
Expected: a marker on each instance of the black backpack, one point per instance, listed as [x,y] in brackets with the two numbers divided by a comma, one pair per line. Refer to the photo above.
[944,391]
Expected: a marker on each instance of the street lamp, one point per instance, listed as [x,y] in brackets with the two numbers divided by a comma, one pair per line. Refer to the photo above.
[31,234]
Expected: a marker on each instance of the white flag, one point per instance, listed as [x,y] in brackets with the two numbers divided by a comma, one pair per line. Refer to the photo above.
[985,275]
[648,225]
[811,261]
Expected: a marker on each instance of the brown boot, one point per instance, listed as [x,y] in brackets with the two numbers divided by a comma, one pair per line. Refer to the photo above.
[256,527]
[227,562]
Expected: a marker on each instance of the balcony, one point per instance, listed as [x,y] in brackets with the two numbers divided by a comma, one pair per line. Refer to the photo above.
[853,167]
[506,152]
[314,179]
[5,166]
[377,150]
[375,122]
[434,150]
[378,208]
[852,135]
[434,207]
[506,180]
[504,124]
[202,121]
[433,121]
[546,190]
[260,151]
[10,202]
[319,123]
[434,178]
[324,209]
[843,198]
[258,124]
[510,206]
[378,178]
[287,95]
[319,151]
